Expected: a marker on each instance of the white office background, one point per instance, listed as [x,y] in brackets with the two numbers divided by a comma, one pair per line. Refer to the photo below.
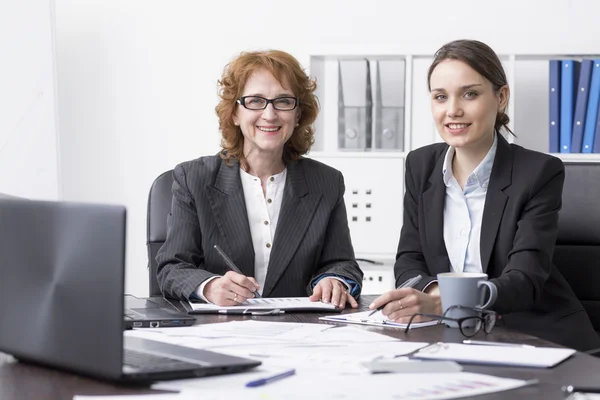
[137,79]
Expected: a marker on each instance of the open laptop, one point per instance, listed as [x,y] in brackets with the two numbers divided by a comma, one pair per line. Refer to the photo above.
[61,297]
[145,313]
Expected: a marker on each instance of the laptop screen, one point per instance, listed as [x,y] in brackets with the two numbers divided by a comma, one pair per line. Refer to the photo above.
[61,292]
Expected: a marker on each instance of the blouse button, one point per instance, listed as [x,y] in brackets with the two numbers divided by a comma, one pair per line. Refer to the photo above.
[268,245]
[269,201]
[266,222]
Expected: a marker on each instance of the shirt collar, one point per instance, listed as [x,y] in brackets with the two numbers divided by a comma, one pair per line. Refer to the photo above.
[277,178]
[481,175]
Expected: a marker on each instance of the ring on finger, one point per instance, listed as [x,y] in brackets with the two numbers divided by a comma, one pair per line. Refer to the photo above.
[235,297]
[400,302]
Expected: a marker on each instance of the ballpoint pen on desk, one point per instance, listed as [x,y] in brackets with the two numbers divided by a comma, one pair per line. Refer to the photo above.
[232,266]
[264,381]
[489,343]
[407,284]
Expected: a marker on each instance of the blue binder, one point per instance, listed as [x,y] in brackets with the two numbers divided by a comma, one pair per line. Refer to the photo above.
[597,135]
[568,85]
[583,90]
[554,102]
[591,115]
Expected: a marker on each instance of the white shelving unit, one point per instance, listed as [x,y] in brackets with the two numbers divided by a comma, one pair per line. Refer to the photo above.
[382,171]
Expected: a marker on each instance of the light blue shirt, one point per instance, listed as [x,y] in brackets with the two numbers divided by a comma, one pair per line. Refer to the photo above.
[463,212]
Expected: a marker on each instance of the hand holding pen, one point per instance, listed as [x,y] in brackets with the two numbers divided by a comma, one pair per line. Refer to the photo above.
[233,288]
[399,303]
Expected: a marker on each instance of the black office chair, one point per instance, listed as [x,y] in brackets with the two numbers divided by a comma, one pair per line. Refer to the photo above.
[577,251]
[9,196]
[159,207]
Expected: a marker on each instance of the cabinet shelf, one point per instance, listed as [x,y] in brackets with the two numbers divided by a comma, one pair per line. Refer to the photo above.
[528,78]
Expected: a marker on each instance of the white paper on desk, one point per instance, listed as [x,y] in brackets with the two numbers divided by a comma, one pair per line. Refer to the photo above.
[183,395]
[328,358]
[583,396]
[186,395]
[268,303]
[429,386]
[540,357]
[221,383]
[377,319]
[245,330]
[170,396]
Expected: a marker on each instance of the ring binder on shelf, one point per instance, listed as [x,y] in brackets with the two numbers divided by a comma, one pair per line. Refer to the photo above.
[389,105]
[355,105]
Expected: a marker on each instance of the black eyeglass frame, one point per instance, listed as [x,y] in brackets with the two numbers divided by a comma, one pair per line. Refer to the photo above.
[242,101]
[488,319]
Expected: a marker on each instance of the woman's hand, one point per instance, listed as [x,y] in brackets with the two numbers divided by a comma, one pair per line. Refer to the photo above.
[401,304]
[331,290]
[230,289]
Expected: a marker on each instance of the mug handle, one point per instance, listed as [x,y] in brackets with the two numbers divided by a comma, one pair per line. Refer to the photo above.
[493,293]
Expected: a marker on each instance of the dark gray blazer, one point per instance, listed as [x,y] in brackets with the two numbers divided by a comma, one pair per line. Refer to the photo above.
[312,236]
[519,230]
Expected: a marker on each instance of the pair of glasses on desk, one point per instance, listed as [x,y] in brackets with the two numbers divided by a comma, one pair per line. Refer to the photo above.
[469,326]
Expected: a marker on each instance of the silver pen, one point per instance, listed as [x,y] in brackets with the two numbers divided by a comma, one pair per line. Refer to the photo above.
[408,283]
[502,344]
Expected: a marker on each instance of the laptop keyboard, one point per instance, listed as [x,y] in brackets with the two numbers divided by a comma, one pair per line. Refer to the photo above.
[150,362]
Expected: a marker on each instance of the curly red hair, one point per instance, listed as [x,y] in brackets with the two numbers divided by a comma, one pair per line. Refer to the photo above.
[231,85]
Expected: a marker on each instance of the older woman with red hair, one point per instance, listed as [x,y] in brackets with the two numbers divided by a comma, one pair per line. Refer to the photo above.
[279,217]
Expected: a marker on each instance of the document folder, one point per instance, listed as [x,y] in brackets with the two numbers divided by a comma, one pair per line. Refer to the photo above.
[389,104]
[355,105]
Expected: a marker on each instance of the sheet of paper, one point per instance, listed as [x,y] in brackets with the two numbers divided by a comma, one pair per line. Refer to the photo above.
[171,396]
[249,329]
[378,319]
[428,386]
[541,357]
[583,396]
[269,303]
[185,395]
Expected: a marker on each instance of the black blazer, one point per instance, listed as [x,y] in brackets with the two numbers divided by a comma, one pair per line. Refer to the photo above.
[519,230]
[312,236]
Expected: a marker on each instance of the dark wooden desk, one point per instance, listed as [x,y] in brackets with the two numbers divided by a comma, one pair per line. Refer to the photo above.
[22,381]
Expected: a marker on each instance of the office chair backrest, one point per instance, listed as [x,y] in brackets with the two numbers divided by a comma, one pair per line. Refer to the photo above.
[577,251]
[159,207]
[9,196]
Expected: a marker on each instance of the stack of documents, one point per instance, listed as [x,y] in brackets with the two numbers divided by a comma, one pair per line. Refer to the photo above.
[328,360]
[428,386]
[376,319]
[306,385]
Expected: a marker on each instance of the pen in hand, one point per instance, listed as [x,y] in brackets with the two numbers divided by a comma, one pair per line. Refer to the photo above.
[407,284]
[232,266]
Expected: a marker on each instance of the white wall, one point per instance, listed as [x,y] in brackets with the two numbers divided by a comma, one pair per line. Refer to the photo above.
[137,79]
[28,116]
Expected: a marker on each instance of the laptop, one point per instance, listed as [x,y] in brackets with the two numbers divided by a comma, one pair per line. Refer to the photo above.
[145,313]
[62,268]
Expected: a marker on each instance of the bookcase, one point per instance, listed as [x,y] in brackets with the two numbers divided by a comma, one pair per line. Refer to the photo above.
[374,176]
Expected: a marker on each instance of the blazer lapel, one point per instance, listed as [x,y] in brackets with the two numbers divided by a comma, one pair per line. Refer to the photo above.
[297,209]
[495,199]
[228,205]
[433,210]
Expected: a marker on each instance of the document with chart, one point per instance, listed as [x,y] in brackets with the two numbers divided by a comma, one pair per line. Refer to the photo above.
[265,306]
